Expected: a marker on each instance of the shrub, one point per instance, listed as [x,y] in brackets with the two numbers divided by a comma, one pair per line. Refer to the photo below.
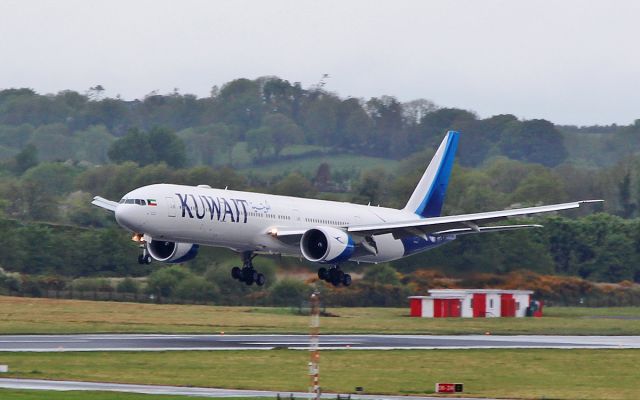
[382,274]
[128,285]
[165,280]
[196,288]
[91,285]
[288,292]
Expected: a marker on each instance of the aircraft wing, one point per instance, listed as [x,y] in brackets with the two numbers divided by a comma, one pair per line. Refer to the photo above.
[288,235]
[460,224]
[104,203]
[484,229]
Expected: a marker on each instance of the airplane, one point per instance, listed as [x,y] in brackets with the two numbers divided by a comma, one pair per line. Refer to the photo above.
[170,222]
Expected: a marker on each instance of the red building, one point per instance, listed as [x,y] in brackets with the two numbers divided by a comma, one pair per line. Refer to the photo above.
[472,303]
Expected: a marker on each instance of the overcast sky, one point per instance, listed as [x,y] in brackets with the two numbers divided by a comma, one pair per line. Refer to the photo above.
[572,62]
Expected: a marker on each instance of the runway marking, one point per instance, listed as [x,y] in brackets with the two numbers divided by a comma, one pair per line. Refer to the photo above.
[301,343]
[45,341]
[128,349]
[39,384]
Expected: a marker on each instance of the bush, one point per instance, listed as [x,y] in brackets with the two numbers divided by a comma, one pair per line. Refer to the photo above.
[128,285]
[164,281]
[10,281]
[196,288]
[288,292]
[382,274]
[91,285]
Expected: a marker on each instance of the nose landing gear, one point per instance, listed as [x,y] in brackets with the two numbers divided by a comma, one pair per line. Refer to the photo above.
[335,276]
[247,273]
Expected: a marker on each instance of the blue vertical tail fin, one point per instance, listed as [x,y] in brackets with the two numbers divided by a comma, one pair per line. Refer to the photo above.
[428,197]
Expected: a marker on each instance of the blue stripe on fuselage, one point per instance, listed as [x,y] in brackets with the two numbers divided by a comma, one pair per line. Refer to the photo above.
[416,244]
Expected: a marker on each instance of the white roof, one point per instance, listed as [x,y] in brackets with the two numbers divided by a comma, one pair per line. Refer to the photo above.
[465,292]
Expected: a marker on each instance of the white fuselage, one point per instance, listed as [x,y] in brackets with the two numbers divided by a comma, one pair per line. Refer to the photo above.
[242,221]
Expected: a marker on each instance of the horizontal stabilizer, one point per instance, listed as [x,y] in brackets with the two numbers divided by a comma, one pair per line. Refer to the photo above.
[104,203]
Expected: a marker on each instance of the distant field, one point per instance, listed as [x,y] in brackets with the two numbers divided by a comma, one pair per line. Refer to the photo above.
[9,394]
[550,374]
[28,315]
[309,165]
[242,157]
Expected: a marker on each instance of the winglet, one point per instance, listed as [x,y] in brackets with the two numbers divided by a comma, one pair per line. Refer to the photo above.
[428,197]
[104,203]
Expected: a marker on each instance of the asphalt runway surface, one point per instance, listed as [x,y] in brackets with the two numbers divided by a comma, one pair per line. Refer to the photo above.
[159,342]
[36,384]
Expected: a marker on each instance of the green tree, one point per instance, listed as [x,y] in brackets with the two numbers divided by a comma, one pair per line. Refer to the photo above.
[536,141]
[295,185]
[27,158]
[134,146]
[259,140]
[166,147]
[283,132]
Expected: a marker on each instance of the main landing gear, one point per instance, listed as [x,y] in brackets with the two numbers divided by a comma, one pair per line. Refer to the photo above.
[247,273]
[334,275]
[145,257]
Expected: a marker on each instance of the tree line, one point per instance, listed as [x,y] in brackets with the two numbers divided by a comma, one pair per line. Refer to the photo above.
[59,150]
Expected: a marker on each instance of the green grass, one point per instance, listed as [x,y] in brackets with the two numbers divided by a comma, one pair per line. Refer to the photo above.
[10,394]
[533,373]
[346,163]
[31,316]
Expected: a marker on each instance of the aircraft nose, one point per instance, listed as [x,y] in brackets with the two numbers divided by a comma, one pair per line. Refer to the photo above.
[130,216]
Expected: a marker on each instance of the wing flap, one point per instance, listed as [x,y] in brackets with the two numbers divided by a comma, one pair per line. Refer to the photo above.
[484,229]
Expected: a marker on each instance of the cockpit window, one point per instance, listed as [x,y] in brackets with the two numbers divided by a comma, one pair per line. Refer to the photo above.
[122,200]
[140,202]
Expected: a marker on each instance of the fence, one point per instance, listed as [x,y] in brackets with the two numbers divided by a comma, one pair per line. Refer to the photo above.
[98,295]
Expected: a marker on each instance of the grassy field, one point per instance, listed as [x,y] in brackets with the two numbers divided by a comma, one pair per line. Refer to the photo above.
[551,374]
[9,394]
[309,165]
[29,315]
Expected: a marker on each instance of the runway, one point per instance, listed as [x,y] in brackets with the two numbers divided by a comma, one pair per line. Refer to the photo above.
[37,384]
[159,342]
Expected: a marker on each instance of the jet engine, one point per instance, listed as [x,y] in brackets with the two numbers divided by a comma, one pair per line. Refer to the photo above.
[326,245]
[172,252]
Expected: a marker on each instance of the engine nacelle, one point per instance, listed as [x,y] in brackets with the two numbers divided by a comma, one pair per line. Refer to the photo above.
[172,252]
[325,244]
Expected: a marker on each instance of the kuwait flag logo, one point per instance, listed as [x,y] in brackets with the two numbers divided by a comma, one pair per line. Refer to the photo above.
[152,202]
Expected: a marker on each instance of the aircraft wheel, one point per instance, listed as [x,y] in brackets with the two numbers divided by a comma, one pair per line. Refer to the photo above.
[147,259]
[260,280]
[249,275]
[322,273]
[346,279]
[140,259]
[236,273]
[335,276]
